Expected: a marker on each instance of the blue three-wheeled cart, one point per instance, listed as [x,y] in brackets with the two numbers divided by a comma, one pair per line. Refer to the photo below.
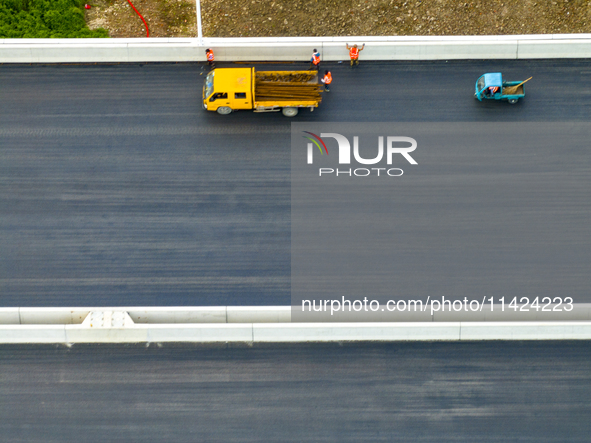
[492,87]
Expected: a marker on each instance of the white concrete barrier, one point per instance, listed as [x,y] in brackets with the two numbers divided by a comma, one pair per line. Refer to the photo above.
[162,315]
[311,316]
[426,50]
[9,316]
[296,332]
[81,334]
[320,332]
[200,333]
[498,313]
[294,49]
[525,331]
[284,314]
[41,316]
[214,314]
[29,334]
[258,314]
[153,315]
[563,48]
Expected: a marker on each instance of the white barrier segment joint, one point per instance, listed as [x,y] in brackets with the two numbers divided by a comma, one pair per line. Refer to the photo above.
[108,319]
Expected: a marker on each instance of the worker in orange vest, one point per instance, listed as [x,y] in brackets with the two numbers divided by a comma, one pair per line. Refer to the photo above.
[315,60]
[210,58]
[354,53]
[327,80]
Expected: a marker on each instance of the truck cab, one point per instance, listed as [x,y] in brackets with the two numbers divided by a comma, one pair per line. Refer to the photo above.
[227,90]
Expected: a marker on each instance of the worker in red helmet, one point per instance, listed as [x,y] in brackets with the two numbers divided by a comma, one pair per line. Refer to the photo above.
[210,58]
[327,80]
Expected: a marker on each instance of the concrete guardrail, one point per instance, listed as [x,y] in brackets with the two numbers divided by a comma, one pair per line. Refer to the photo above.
[284,314]
[297,49]
[295,332]
[152,315]
[259,324]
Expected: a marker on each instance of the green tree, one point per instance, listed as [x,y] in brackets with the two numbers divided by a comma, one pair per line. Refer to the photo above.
[45,19]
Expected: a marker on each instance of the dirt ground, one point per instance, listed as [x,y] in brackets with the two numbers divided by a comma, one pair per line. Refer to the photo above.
[265,18]
[165,18]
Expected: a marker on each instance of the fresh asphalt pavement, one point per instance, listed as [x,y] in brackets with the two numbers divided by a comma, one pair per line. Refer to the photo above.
[399,392]
[117,189]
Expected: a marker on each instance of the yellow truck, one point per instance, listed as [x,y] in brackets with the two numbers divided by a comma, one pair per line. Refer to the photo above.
[231,89]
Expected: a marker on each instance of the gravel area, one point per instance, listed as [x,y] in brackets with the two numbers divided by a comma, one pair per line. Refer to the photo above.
[264,18]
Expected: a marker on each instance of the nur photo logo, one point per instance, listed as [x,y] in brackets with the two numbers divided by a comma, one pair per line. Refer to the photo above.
[394,145]
[316,143]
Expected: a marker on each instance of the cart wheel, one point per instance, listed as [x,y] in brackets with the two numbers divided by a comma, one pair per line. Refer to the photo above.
[290,112]
[512,101]
[224,110]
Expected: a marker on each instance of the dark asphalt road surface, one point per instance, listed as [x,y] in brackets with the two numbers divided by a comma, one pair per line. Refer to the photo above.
[116,188]
[422,392]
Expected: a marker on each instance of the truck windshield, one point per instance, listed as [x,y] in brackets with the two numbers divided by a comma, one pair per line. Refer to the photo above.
[209,84]
[480,84]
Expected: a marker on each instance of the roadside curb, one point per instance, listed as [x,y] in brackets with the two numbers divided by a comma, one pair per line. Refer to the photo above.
[254,325]
[283,314]
[515,47]
[296,332]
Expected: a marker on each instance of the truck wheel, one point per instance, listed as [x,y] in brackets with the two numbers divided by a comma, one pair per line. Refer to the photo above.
[290,112]
[512,100]
[224,110]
